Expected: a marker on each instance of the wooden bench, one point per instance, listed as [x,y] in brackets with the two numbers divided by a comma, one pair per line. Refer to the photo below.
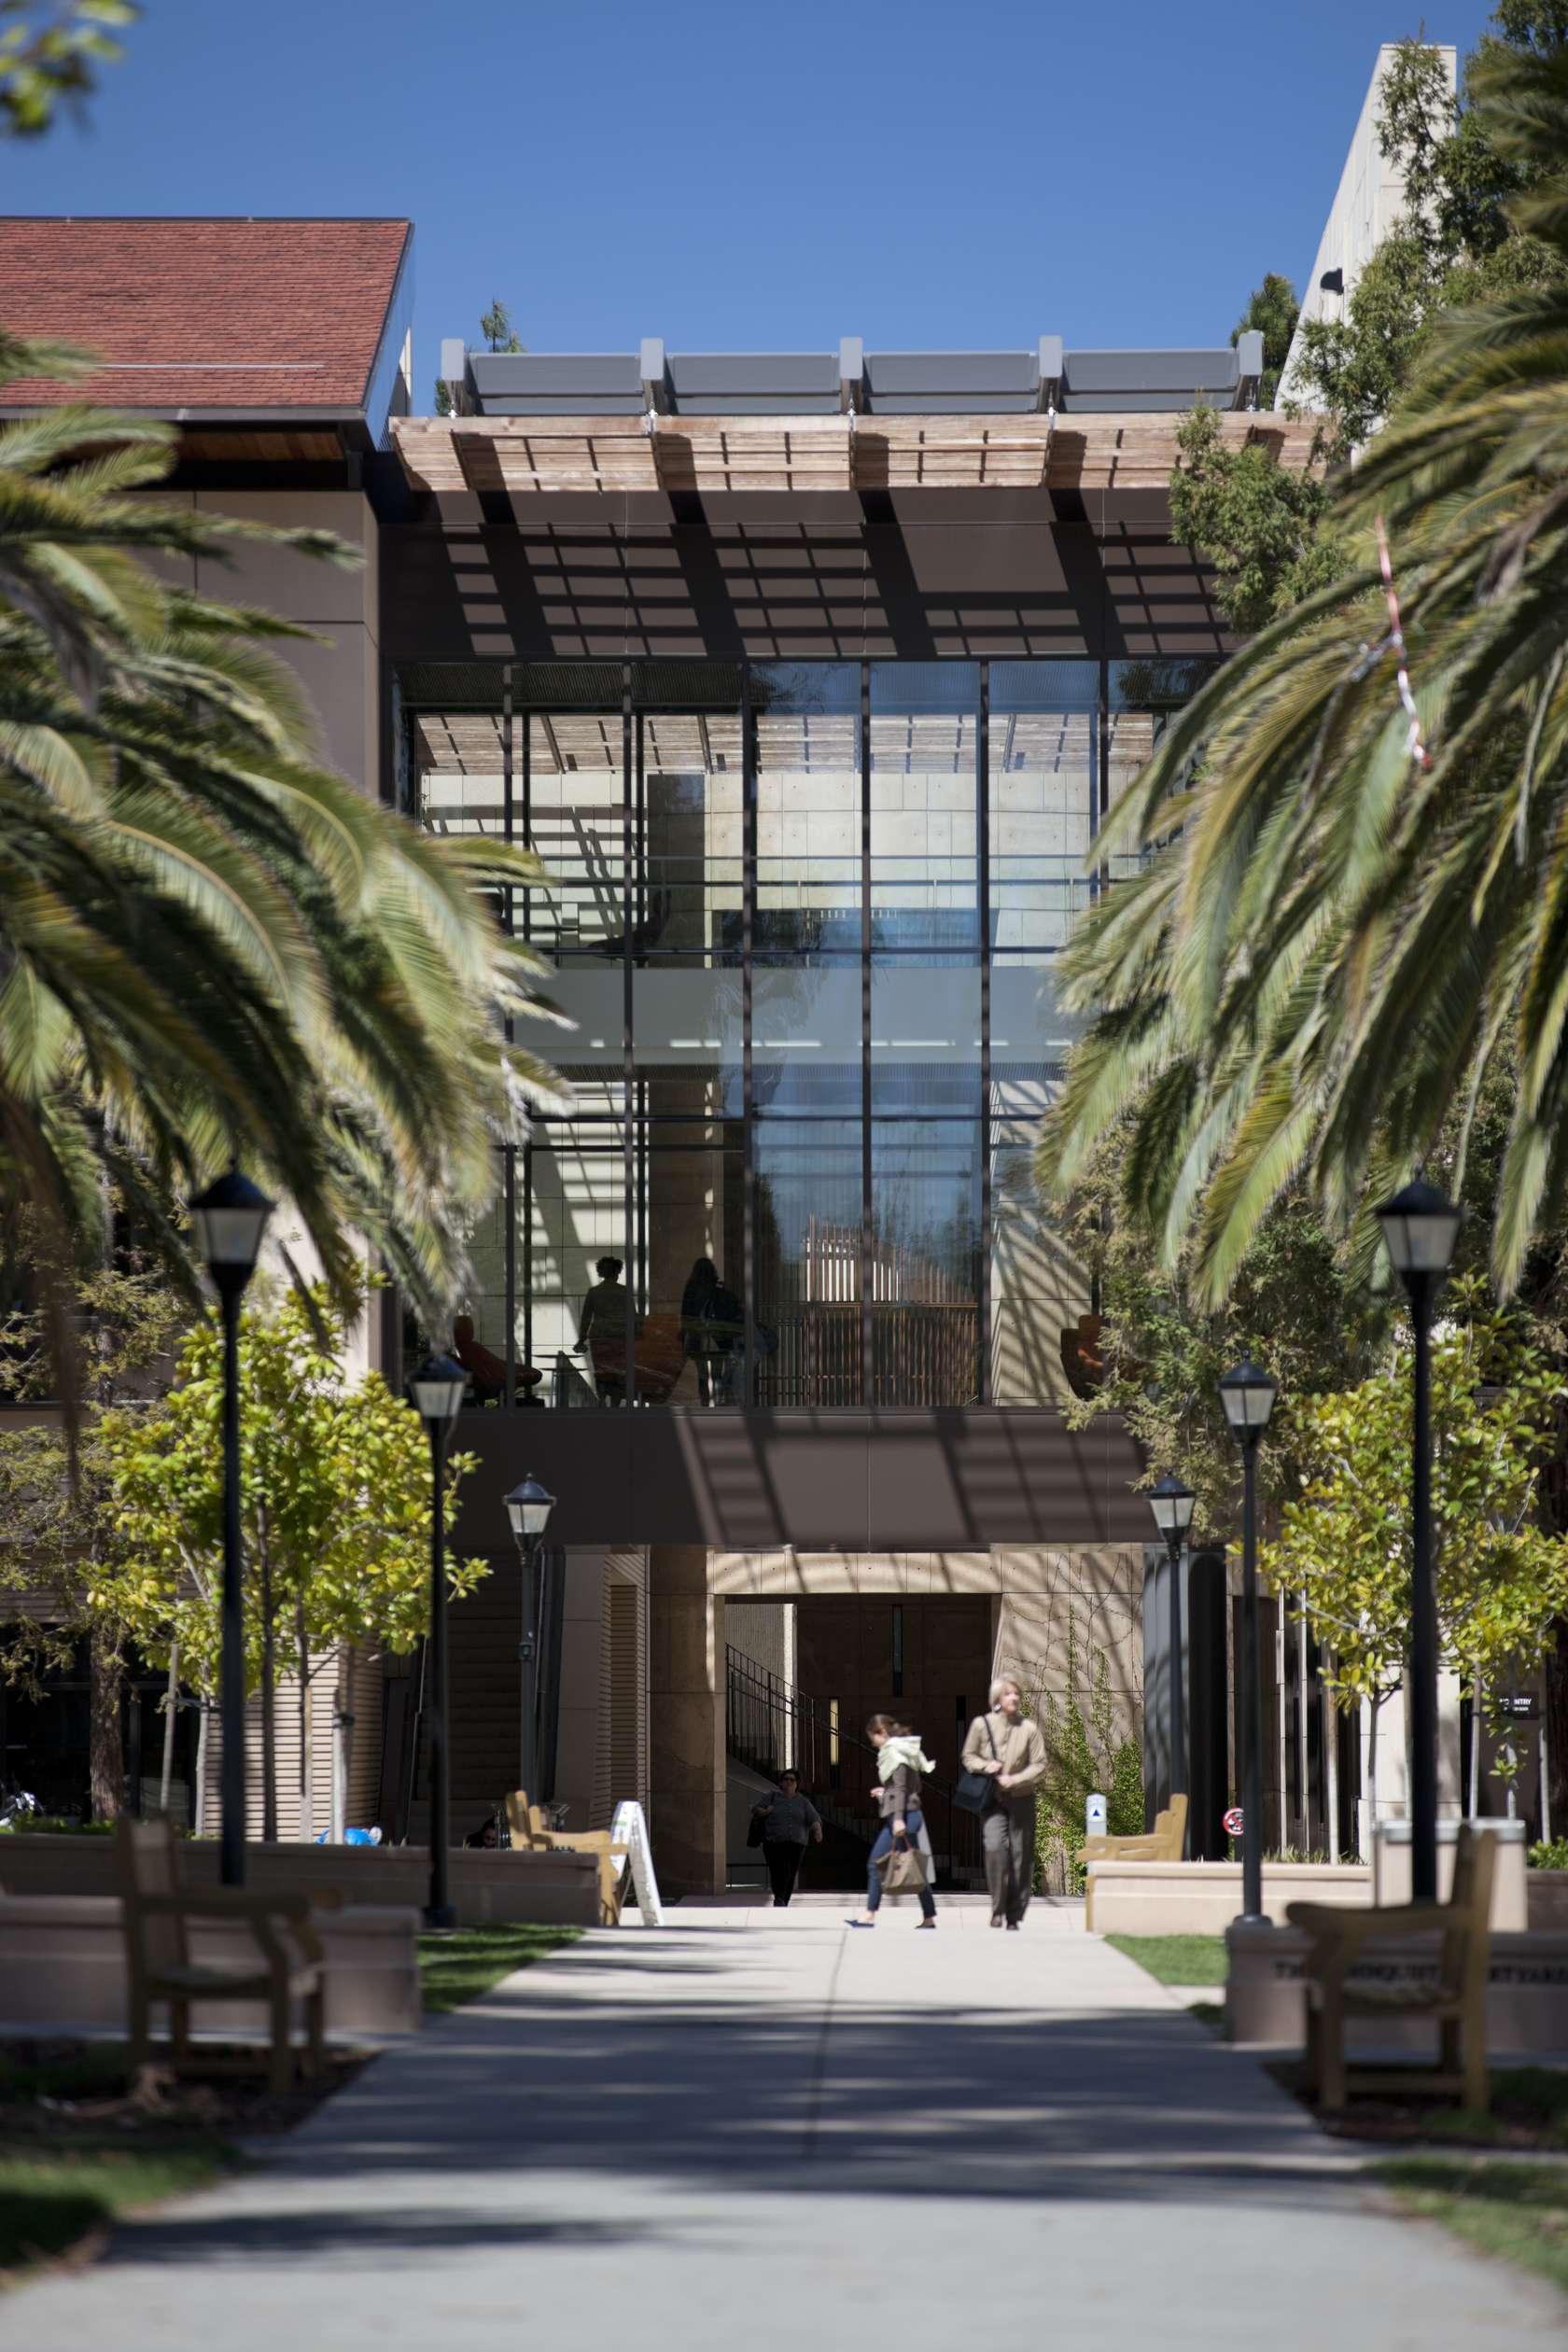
[529,1832]
[1162,1843]
[288,1967]
[1454,1999]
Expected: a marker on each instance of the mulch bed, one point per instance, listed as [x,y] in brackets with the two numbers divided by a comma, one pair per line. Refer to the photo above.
[1529,2112]
[57,2089]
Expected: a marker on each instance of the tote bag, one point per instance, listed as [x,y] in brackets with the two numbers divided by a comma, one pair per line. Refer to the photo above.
[975,1792]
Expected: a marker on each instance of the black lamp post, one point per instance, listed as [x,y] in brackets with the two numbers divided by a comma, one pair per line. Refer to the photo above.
[437,1389]
[1421,1225]
[529,1507]
[1172,1504]
[1247,1393]
[230,1219]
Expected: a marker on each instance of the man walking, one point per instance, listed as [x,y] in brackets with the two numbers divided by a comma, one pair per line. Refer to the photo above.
[1006,1744]
[788,1820]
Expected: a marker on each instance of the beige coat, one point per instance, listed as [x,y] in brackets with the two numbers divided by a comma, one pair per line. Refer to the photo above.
[1020,1747]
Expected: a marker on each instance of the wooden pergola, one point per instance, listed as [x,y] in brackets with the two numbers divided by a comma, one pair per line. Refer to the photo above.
[520,455]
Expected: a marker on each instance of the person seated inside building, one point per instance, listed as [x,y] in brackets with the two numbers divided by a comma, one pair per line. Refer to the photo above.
[487,1372]
[601,1329]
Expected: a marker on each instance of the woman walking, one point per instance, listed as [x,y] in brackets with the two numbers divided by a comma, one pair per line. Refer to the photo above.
[900,1766]
[1006,1744]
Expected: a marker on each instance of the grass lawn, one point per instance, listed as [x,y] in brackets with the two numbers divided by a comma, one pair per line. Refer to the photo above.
[1177,1959]
[51,2197]
[459,1966]
[81,2144]
[1517,2210]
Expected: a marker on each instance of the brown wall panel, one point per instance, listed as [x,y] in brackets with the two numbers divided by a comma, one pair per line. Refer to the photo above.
[962,1479]
[913,576]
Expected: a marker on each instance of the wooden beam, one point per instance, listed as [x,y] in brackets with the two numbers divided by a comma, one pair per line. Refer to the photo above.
[537,454]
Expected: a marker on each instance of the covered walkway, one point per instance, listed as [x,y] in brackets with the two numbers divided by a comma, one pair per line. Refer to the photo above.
[759,2129]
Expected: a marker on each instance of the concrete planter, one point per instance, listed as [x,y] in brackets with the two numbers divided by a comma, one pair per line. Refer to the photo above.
[1527,1995]
[1390,1868]
[551,1890]
[1201,1898]
[62,1965]
[1545,1894]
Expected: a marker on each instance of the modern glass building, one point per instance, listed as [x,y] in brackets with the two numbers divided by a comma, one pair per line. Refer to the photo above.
[811,677]
[803,917]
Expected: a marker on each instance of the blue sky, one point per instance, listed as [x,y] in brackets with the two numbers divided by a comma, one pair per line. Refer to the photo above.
[742,173]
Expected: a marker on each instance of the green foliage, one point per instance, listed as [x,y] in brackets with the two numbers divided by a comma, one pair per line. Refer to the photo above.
[211,945]
[1333,948]
[1548,1853]
[443,397]
[1298,1306]
[1269,532]
[1085,1751]
[335,1501]
[50,54]
[57,1501]
[1260,525]
[1344,1538]
[497,328]
[1272,307]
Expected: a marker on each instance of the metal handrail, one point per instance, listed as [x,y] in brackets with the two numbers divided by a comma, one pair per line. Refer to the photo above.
[775,1726]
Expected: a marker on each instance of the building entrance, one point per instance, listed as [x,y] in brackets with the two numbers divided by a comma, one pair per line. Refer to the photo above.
[925,1660]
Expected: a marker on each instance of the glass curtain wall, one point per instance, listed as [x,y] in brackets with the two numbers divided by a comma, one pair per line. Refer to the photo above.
[804,918]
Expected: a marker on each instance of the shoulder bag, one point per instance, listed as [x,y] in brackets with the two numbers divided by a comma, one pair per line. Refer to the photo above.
[975,1792]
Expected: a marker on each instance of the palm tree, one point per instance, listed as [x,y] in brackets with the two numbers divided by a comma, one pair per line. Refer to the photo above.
[211,945]
[1354,911]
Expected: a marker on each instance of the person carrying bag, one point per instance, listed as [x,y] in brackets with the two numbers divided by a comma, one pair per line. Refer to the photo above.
[897,1865]
[1006,1752]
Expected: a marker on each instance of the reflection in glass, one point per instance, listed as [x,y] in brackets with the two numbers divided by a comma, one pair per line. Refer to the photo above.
[924,1262]
[808,1262]
[1044,766]
[1040,1290]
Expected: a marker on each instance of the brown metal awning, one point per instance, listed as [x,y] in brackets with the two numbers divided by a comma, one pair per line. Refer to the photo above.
[523,454]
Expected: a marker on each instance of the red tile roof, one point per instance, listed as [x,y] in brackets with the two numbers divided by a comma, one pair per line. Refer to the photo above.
[241,315]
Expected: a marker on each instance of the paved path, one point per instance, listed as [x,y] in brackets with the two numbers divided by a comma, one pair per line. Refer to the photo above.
[752,2130]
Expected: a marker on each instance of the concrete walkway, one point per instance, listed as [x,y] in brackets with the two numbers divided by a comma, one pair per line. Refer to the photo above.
[753,2129]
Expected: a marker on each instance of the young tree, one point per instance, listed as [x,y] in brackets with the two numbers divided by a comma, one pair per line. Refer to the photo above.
[1344,1540]
[1273,308]
[498,330]
[335,1509]
[59,1537]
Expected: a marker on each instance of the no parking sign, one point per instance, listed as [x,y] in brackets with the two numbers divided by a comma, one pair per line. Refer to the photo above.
[1232,1821]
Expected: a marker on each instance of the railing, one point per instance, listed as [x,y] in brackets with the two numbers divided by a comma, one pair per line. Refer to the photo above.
[775,1727]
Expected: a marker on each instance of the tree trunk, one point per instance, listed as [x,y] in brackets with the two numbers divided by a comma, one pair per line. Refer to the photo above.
[199,1825]
[343,1741]
[1473,1794]
[269,1710]
[307,1784]
[106,1748]
[171,1703]
[1369,1797]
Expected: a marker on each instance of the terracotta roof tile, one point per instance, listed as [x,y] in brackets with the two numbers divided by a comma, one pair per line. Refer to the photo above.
[245,315]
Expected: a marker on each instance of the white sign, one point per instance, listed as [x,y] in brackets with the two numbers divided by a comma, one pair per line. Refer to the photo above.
[629,1830]
[1094,1815]
[1232,1821]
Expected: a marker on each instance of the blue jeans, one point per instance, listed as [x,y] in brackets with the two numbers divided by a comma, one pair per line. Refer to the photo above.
[885,1845]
